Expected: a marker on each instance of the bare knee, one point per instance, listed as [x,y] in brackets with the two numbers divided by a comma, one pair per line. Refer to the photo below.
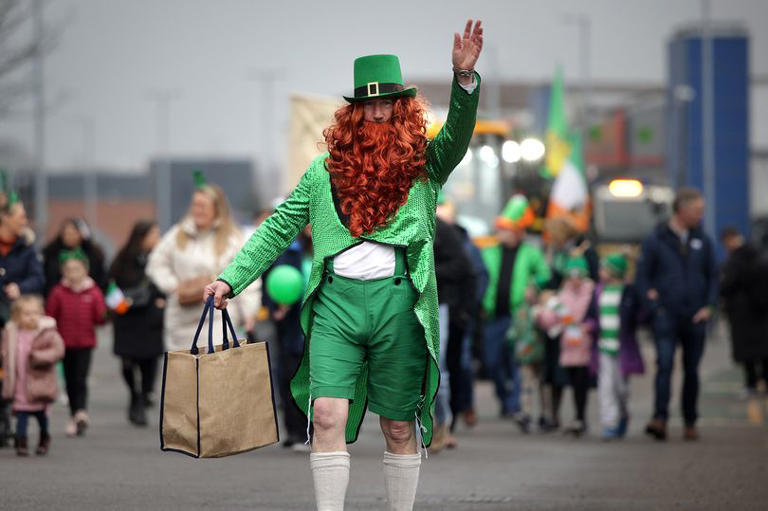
[399,436]
[328,415]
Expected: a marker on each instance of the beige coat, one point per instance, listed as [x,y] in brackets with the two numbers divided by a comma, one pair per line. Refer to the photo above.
[169,265]
[47,349]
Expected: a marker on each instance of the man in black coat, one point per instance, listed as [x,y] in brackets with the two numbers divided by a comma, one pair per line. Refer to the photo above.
[744,281]
[455,286]
[677,276]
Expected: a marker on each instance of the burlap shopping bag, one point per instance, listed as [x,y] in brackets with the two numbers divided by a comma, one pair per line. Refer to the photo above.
[220,402]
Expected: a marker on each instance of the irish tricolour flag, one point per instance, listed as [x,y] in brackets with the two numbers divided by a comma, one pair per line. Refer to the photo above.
[565,162]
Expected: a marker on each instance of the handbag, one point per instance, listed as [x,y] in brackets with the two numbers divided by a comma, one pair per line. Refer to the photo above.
[190,292]
[220,402]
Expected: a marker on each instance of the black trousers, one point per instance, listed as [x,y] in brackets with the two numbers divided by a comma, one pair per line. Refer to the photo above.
[579,378]
[751,372]
[459,401]
[290,337]
[77,365]
[147,367]
[5,419]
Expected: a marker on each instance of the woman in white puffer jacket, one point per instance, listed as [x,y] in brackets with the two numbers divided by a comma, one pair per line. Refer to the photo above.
[189,256]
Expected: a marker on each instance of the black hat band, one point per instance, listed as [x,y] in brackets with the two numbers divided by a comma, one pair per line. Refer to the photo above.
[374,89]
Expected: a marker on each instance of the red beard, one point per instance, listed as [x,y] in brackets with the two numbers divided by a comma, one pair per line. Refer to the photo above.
[373,166]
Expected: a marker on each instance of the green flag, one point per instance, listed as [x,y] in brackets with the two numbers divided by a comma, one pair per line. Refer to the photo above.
[557,144]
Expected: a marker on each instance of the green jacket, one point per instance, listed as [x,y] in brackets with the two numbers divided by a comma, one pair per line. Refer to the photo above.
[413,227]
[530,267]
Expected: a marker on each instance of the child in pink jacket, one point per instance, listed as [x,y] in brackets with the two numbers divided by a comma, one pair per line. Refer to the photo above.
[31,346]
[570,316]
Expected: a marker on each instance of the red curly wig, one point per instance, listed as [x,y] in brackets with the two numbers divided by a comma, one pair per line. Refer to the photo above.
[372,165]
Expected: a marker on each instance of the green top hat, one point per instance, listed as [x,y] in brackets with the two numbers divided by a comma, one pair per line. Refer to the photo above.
[378,76]
[616,263]
[576,266]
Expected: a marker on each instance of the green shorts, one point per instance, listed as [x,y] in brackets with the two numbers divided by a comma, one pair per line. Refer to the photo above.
[358,322]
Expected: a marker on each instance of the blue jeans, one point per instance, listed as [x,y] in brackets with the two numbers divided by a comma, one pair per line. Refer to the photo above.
[442,405]
[22,421]
[668,329]
[500,364]
[467,374]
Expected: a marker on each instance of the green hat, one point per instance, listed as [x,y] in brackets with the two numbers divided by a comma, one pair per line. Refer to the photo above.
[516,214]
[441,197]
[616,263]
[75,253]
[378,76]
[576,265]
[13,198]
[199,178]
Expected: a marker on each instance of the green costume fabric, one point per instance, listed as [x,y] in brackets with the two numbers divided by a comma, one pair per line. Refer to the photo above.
[358,322]
[523,338]
[530,269]
[413,227]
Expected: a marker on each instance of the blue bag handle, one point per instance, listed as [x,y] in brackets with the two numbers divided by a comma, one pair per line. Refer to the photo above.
[226,322]
[207,309]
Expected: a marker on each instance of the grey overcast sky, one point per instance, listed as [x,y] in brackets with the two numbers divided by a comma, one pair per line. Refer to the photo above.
[113,54]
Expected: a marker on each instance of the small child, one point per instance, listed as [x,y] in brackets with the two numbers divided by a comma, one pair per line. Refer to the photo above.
[78,306]
[570,317]
[619,355]
[528,348]
[31,346]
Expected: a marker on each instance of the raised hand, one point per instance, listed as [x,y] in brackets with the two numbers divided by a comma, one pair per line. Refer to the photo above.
[467,48]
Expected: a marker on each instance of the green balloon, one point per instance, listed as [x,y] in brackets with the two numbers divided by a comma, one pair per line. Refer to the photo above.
[285,284]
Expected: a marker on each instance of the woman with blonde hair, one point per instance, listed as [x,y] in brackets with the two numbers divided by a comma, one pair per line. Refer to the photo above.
[189,256]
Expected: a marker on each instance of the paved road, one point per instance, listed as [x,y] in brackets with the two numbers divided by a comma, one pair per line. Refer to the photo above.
[120,467]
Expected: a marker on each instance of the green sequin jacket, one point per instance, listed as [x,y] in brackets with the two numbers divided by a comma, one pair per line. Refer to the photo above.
[412,227]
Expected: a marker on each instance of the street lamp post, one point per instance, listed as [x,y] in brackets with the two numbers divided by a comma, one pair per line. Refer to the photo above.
[38,85]
[267,79]
[162,99]
[584,25]
[90,187]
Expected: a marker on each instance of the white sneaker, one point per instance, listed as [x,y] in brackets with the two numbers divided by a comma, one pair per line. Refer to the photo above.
[71,430]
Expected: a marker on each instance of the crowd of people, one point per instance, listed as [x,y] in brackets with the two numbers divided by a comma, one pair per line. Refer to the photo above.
[543,313]
[538,315]
[51,305]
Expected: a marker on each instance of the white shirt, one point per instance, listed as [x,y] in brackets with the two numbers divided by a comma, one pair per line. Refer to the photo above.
[368,260]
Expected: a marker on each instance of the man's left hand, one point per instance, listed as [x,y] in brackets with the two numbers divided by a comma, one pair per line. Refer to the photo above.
[702,315]
[467,48]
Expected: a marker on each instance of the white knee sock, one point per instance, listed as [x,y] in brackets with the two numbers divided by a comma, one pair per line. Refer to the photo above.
[401,477]
[330,471]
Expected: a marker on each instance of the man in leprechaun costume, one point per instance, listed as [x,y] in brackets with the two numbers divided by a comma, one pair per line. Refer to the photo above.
[370,307]
[515,267]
